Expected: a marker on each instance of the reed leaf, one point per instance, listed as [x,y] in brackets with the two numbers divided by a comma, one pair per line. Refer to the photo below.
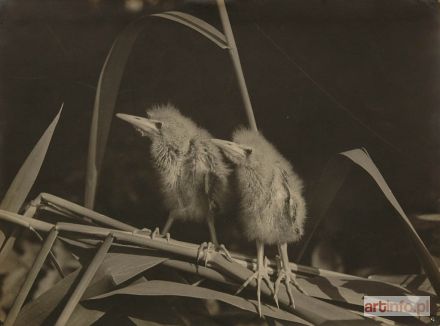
[85,281]
[198,25]
[345,289]
[233,51]
[30,279]
[118,268]
[159,288]
[362,158]
[38,311]
[25,178]
[85,316]
[22,184]
[129,262]
[105,99]
[416,283]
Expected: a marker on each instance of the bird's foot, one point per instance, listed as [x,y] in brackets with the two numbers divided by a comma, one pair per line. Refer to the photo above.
[207,248]
[260,275]
[288,277]
[204,252]
[156,234]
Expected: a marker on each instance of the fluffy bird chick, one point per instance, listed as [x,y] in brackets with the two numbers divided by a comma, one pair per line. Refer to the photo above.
[272,207]
[192,172]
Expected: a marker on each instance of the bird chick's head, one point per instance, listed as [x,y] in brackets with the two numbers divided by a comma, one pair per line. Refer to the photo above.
[236,153]
[164,124]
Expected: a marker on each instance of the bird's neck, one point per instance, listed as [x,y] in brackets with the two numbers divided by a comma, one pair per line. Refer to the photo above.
[164,156]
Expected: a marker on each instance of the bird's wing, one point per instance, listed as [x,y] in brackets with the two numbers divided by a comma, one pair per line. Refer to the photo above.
[290,205]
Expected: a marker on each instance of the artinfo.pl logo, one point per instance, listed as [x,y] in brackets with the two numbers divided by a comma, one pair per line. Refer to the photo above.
[397,305]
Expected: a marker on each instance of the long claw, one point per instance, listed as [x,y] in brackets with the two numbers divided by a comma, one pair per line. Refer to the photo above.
[259,293]
[283,275]
[289,292]
[296,284]
[225,252]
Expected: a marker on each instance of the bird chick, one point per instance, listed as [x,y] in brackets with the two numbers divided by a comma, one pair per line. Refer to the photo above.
[193,175]
[272,207]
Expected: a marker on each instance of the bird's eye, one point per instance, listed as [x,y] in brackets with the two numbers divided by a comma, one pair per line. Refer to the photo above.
[248,151]
[158,125]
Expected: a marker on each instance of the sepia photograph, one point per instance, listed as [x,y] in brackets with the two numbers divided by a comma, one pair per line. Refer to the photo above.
[219,162]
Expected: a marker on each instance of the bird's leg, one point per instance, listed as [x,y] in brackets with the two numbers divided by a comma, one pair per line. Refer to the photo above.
[165,232]
[284,273]
[211,226]
[168,224]
[205,250]
[213,208]
[259,275]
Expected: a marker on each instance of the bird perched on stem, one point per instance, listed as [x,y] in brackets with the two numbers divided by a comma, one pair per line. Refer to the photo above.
[272,207]
[192,172]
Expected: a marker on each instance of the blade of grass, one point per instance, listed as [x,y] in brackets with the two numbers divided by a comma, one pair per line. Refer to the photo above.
[178,289]
[233,51]
[362,158]
[105,99]
[196,24]
[38,311]
[22,184]
[324,193]
[120,267]
[25,178]
[85,280]
[30,279]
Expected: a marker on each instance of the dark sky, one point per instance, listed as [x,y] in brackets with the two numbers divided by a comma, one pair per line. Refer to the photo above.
[324,76]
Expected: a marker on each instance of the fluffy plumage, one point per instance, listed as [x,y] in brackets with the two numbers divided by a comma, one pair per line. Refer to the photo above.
[192,171]
[185,159]
[272,207]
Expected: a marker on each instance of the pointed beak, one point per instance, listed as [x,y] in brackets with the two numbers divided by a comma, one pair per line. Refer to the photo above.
[233,150]
[143,125]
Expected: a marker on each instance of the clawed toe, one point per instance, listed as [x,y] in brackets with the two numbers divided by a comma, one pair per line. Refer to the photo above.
[282,275]
[222,249]
[204,252]
[260,275]
[153,235]
[289,279]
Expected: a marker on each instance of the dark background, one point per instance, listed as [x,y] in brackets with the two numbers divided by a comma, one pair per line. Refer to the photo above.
[324,77]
